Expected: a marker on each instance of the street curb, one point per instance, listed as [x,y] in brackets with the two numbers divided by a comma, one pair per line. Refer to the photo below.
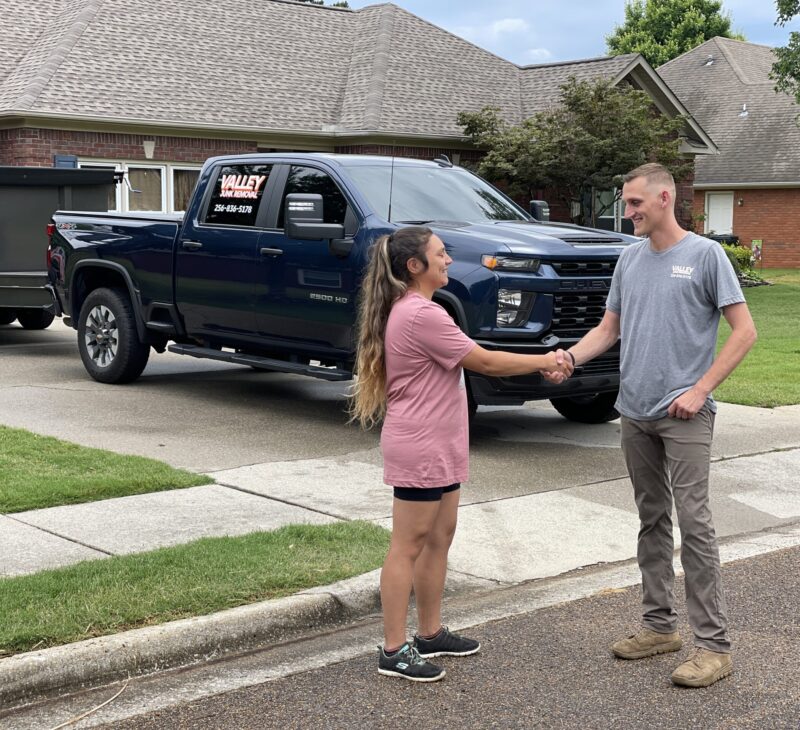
[38,675]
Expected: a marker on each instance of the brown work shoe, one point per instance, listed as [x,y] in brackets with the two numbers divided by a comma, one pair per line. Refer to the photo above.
[646,643]
[702,668]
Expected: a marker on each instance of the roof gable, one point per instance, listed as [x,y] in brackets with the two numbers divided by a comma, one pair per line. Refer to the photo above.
[725,84]
[540,84]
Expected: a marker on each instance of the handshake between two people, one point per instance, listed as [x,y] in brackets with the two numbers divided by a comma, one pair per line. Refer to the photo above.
[561,365]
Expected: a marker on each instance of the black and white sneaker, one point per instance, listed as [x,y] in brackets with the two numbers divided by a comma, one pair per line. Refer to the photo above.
[407,663]
[446,643]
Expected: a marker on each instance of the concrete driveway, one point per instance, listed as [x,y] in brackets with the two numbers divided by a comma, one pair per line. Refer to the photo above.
[546,496]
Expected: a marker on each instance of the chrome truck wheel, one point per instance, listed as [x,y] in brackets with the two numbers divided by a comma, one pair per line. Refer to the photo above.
[107,338]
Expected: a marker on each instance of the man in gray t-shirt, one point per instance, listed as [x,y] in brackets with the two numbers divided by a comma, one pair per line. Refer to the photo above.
[669,306]
[664,305]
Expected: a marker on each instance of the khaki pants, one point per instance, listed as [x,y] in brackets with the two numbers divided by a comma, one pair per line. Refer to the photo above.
[669,458]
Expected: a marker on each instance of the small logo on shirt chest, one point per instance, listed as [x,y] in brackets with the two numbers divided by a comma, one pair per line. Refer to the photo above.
[682,272]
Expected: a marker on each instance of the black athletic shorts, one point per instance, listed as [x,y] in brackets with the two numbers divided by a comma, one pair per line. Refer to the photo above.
[424,494]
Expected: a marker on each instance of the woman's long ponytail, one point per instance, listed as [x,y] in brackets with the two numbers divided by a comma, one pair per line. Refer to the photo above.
[386,279]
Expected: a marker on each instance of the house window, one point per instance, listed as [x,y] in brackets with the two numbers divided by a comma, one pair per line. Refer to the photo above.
[608,210]
[183,182]
[114,201]
[148,188]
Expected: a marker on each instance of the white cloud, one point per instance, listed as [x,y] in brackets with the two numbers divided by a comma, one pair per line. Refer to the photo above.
[537,55]
[508,25]
[488,34]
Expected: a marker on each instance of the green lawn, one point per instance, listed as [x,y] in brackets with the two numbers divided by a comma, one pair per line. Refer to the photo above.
[106,596]
[39,471]
[770,374]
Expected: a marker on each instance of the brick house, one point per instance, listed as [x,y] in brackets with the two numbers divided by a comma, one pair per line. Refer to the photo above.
[154,87]
[752,188]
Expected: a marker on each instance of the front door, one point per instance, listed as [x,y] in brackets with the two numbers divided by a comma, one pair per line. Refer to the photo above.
[719,213]
[216,264]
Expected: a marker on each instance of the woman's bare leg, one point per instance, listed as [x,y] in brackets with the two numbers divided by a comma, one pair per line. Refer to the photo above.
[430,569]
[411,525]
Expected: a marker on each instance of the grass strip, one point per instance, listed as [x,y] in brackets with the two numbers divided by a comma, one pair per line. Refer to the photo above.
[98,597]
[40,471]
[770,374]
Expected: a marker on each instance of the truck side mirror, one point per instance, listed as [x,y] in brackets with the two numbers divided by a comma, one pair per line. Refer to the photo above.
[303,216]
[540,210]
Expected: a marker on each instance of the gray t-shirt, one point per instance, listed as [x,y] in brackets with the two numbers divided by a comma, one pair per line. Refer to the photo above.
[669,306]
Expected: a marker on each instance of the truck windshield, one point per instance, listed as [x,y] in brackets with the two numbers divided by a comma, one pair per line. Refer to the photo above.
[424,194]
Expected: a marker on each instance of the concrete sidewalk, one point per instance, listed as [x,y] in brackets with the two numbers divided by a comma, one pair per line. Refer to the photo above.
[548,533]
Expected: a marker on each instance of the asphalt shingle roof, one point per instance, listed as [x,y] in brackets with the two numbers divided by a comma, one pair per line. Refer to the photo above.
[540,84]
[269,65]
[762,146]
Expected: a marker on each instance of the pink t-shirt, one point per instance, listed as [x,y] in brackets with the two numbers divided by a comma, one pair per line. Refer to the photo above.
[425,436]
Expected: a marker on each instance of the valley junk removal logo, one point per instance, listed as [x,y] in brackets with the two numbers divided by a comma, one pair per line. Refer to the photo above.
[682,272]
[241,186]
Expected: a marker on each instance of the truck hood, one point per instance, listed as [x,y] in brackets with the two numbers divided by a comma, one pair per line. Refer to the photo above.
[535,238]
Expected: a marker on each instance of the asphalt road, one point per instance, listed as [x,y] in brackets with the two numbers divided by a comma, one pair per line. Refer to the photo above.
[547,669]
[539,482]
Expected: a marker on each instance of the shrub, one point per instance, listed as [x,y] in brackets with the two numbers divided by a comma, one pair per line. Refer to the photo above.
[740,257]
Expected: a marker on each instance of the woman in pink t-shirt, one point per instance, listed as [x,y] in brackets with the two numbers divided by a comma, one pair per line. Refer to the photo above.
[410,362]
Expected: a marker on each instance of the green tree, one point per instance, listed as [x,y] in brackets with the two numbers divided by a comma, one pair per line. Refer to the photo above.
[598,133]
[664,29]
[786,70]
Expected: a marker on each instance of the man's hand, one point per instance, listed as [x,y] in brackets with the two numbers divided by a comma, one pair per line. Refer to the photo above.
[688,404]
[560,368]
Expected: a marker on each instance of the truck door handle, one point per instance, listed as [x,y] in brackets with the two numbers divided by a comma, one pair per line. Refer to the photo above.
[191,245]
[271,251]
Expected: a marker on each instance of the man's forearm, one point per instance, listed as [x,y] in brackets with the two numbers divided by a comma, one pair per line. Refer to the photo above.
[595,342]
[731,354]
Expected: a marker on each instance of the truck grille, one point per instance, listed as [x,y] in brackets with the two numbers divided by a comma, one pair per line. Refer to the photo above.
[601,365]
[574,314]
[584,268]
[579,303]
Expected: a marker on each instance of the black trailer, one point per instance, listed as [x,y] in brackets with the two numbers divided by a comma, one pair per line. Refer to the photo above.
[28,198]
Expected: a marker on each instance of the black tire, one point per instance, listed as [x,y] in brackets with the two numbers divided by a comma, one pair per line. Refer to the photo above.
[592,408]
[35,319]
[7,316]
[107,339]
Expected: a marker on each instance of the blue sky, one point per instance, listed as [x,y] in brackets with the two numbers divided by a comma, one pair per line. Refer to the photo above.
[541,31]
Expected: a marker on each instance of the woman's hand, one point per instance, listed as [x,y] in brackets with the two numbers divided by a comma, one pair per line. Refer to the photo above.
[559,366]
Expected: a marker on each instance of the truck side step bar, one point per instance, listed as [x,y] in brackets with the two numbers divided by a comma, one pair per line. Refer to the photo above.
[264,363]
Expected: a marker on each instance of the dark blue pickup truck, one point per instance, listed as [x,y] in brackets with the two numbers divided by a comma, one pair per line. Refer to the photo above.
[264,270]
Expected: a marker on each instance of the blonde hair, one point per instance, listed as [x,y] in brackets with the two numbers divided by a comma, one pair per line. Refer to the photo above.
[653,173]
[386,279]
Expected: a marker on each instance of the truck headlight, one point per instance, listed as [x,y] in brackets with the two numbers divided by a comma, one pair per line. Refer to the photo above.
[510,263]
[513,307]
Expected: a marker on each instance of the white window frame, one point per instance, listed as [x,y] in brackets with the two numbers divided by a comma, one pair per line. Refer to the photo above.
[123,191]
[129,192]
[110,165]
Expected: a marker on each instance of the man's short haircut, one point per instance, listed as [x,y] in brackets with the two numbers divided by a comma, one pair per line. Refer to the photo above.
[654,173]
